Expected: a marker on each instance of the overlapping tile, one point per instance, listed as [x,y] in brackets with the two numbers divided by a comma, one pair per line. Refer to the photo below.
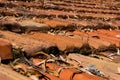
[29,45]
[62,42]
[82,18]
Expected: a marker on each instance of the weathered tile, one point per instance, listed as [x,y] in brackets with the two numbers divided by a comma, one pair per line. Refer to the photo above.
[29,45]
[5,49]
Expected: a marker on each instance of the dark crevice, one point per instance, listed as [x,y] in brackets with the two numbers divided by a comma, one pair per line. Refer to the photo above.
[52,50]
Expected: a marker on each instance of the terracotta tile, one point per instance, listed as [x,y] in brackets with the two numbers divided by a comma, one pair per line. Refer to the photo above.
[5,49]
[52,77]
[67,73]
[109,36]
[103,65]
[62,14]
[62,42]
[6,73]
[86,76]
[93,42]
[4,77]
[29,45]
[55,23]
[23,26]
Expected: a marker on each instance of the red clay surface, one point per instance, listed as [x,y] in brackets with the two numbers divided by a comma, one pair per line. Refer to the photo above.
[94,42]
[109,36]
[29,45]
[70,25]
[70,72]
[5,49]
[62,42]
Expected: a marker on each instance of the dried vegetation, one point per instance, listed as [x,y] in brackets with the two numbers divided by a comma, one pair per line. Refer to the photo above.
[38,39]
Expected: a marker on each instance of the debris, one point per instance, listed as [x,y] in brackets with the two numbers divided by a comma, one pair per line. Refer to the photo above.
[38,39]
[93,70]
[118,51]
[5,70]
[103,65]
